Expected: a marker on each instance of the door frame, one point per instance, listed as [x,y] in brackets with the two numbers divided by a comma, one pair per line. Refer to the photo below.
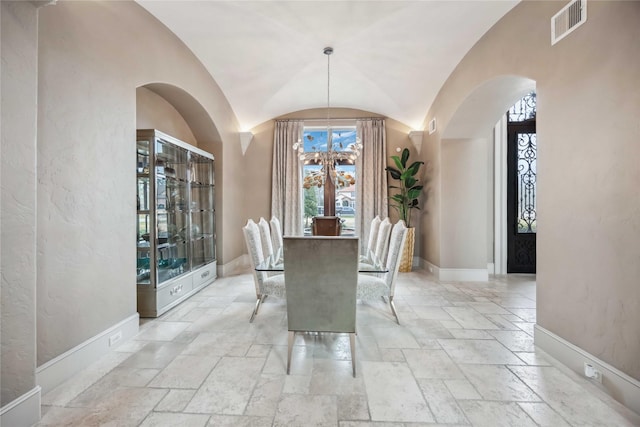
[500,197]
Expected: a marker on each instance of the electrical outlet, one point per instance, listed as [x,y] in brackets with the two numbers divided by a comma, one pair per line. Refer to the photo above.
[115,338]
[592,372]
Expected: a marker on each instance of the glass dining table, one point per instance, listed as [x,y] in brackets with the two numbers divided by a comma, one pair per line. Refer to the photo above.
[368,263]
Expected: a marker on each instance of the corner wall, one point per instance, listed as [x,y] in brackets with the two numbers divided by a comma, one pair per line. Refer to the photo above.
[92,58]
[19,24]
[588,204]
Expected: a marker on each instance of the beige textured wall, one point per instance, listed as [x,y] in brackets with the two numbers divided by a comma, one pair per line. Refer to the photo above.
[155,112]
[588,175]
[92,57]
[19,48]
[464,209]
[259,156]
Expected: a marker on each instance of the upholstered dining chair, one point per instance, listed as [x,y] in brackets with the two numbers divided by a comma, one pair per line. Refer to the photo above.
[265,237]
[373,236]
[276,234]
[273,285]
[382,240]
[320,279]
[373,287]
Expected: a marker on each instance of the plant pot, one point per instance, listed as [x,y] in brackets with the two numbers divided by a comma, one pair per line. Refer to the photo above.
[406,261]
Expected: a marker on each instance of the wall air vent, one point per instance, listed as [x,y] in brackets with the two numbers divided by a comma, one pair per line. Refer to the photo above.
[568,19]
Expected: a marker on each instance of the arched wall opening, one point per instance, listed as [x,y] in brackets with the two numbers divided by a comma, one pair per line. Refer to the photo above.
[174,111]
[473,177]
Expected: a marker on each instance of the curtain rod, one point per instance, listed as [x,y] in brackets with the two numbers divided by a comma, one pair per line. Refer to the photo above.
[343,119]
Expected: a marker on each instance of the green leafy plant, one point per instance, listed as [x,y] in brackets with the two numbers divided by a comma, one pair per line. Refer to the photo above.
[409,190]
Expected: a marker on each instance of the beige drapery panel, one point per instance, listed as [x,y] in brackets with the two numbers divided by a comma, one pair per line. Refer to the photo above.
[371,185]
[286,192]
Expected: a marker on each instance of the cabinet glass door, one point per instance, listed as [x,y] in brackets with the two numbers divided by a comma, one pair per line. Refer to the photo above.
[144,225]
[172,253]
[202,210]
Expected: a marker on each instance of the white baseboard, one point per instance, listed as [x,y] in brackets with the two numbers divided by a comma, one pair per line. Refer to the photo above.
[456,274]
[491,268]
[619,385]
[235,266]
[58,370]
[23,411]
[431,268]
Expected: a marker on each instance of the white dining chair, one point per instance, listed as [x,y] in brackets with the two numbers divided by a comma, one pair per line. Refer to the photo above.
[321,278]
[273,285]
[373,287]
[276,234]
[373,237]
[382,240]
[265,237]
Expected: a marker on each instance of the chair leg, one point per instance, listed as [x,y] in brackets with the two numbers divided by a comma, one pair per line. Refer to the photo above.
[393,309]
[255,310]
[352,343]
[292,335]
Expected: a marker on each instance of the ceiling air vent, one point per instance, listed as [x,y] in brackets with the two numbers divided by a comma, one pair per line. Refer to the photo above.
[568,19]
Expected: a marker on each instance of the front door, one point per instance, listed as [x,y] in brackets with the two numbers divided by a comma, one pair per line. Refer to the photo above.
[521,187]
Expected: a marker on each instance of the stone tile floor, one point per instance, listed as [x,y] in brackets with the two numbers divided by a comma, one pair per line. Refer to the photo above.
[463,355]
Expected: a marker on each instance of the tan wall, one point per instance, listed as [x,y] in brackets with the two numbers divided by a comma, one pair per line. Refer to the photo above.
[464,210]
[259,156]
[588,175]
[155,112]
[92,58]
[19,50]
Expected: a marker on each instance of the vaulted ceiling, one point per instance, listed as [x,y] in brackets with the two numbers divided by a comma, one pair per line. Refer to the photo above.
[390,57]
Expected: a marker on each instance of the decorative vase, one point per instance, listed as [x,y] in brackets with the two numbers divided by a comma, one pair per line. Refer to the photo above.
[406,261]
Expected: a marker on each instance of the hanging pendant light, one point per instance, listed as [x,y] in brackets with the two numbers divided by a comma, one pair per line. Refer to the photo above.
[328,160]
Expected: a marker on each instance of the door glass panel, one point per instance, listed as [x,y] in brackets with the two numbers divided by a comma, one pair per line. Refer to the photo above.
[526,182]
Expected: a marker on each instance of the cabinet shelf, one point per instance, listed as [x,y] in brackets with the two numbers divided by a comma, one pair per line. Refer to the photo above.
[180,257]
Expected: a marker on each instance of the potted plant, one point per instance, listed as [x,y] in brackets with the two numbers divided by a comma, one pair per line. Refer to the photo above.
[405,200]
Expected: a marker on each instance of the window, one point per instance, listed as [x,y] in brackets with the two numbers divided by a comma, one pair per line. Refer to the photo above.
[323,195]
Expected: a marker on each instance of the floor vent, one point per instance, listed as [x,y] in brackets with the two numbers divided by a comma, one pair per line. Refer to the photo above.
[568,19]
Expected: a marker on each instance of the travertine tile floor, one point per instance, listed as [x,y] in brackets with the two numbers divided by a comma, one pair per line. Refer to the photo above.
[464,355]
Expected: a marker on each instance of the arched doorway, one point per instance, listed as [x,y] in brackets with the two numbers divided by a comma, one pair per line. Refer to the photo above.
[482,248]
[521,185]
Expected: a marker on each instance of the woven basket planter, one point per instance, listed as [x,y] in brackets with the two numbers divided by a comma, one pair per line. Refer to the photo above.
[406,261]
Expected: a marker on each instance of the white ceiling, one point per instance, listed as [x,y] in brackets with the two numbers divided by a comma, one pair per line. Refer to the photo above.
[390,57]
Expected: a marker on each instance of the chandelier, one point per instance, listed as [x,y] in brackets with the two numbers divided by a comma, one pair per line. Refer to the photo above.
[334,155]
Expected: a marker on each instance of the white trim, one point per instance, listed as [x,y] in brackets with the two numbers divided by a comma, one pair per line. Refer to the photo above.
[455,274]
[23,411]
[426,265]
[491,268]
[235,266]
[58,370]
[619,385]
[500,197]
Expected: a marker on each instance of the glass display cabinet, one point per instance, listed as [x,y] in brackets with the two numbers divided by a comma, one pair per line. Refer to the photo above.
[176,236]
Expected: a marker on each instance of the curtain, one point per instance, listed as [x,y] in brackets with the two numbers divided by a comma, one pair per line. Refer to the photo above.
[286,193]
[371,183]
